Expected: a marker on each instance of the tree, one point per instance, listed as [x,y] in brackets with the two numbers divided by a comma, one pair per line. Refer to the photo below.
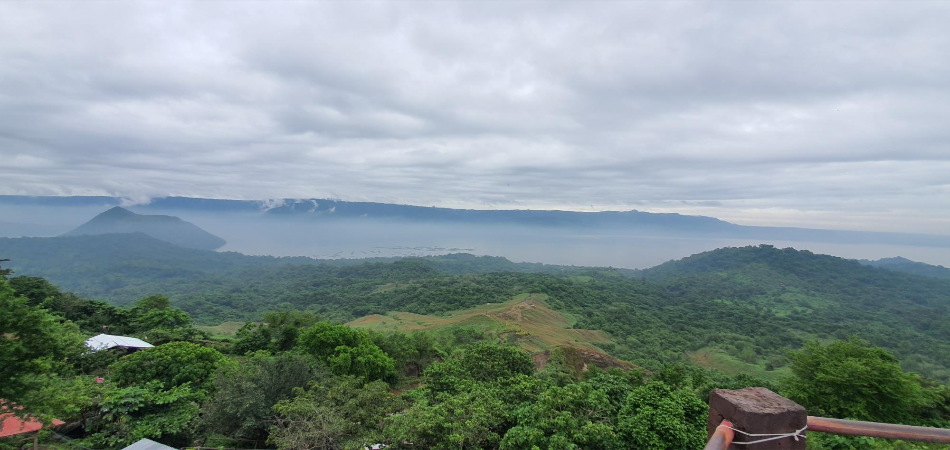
[172,364]
[146,411]
[365,360]
[245,394]
[165,319]
[251,337]
[615,383]
[412,352]
[157,321]
[322,339]
[573,416]
[654,416]
[278,333]
[347,351]
[340,412]
[468,400]
[156,393]
[35,289]
[153,302]
[481,362]
[474,419]
[92,316]
[852,379]
[35,350]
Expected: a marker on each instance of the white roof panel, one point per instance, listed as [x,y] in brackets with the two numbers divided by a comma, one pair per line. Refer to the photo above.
[104,341]
[148,444]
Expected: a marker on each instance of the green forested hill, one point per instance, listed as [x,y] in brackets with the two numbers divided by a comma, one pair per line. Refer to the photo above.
[739,309]
[821,296]
[122,268]
[905,265]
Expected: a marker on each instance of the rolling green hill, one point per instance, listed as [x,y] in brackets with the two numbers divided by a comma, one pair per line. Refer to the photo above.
[730,308]
[905,265]
[525,320]
[820,297]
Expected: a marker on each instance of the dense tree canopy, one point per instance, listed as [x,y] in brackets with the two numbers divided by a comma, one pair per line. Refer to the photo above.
[35,348]
[851,379]
[338,412]
[753,304]
[245,394]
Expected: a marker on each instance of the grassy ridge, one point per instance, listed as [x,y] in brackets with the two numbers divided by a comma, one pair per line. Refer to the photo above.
[225,329]
[714,358]
[525,320]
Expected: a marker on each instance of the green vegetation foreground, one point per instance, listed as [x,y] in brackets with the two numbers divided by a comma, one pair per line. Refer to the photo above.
[297,382]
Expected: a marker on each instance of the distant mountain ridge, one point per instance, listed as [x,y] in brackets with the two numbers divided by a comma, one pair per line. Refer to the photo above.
[900,264]
[165,228]
[648,224]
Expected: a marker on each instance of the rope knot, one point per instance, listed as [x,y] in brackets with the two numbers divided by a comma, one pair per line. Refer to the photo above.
[768,437]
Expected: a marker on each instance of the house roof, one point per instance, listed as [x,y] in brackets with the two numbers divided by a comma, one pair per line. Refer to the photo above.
[13,425]
[148,444]
[104,341]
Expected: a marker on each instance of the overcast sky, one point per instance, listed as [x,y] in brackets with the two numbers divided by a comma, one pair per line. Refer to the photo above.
[818,114]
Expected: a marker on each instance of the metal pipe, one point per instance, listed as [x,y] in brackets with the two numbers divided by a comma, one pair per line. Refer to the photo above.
[722,438]
[878,430]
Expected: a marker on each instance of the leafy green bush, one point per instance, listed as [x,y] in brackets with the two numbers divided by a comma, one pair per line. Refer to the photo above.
[172,364]
[851,379]
[347,351]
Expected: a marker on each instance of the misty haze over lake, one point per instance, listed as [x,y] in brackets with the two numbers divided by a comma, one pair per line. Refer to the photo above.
[519,244]
[258,234]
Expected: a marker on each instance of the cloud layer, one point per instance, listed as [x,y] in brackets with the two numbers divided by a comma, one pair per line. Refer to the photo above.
[816,114]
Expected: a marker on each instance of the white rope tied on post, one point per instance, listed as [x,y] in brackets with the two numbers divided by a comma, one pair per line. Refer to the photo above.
[771,437]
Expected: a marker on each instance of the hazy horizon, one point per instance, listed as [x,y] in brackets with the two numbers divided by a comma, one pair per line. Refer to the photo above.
[266,204]
[259,234]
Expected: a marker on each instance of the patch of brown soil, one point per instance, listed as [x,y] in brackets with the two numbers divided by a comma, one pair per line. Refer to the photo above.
[541,359]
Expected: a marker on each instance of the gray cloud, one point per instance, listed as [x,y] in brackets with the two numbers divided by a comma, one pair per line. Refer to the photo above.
[805,114]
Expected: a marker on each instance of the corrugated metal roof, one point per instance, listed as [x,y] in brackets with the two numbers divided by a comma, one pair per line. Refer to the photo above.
[104,341]
[148,444]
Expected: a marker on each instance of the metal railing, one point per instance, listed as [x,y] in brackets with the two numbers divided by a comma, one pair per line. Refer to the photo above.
[878,430]
[723,436]
[759,418]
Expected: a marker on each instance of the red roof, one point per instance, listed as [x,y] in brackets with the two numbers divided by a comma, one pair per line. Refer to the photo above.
[13,425]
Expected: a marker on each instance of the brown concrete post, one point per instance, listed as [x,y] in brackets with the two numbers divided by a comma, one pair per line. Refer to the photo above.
[759,411]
